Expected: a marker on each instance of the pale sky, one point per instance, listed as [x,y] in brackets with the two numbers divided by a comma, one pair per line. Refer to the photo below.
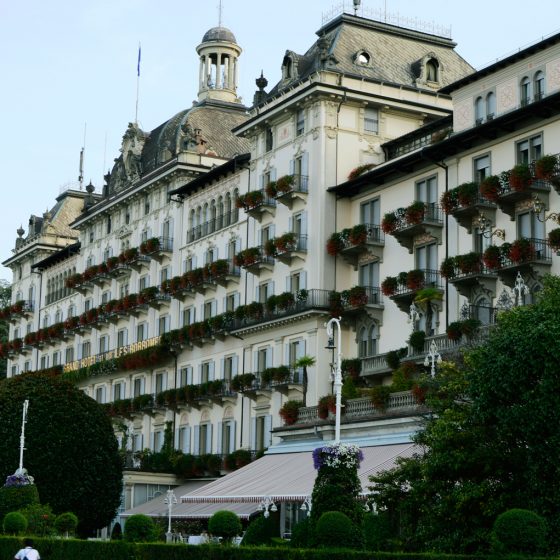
[70,64]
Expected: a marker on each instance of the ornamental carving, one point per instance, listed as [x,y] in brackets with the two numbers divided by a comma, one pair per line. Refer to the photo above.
[424,239]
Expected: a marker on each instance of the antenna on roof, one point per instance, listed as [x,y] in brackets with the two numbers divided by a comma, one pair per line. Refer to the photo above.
[81,175]
[220,10]
[138,82]
[356,6]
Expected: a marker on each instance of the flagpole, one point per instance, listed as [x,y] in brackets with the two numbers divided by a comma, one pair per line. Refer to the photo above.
[137,83]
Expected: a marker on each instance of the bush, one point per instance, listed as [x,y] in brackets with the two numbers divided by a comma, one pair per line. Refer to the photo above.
[116,533]
[14,523]
[416,340]
[519,531]
[260,532]
[224,524]
[40,520]
[303,534]
[14,498]
[377,532]
[140,528]
[334,529]
[66,523]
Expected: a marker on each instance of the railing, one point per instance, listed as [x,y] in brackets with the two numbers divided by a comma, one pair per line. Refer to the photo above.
[300,183]
[213,225]
[431,280]
[432,214]
[374,234]
[313,299]
[299,244]
[165,244]
[541,252]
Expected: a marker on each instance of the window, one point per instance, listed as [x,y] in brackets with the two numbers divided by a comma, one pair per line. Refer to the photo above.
[88,304]
[189,316]
[525,93]
[539,85]
[138,386]
[481,167]
[267,233]
[363,58]
[205,439]
[100,394]
[367,341]
[185,377]
[265,290]
[143,282]
[146,207]
[427,192]
[296,349]
[490,105]
[480,242]
[370,212]
[432,70]
[122,338]
[163,324]
[158,441]
[69,355]
[232,301]
[27,366]
[161,382]
[56,359]
[123,290]
[103,344]
[263,358]
[206,372]
[105,297]
[109,226]
[427,258]
[529,226]
[227,444]
[371,120]
[164,275]
[91,235]
[127,216]
[296,282]
[268,139]
[300,122]
[230,367]
[141,332]
[369,274]
[479,110]
[261,432]
[529,150]
[118,391]
[86,349]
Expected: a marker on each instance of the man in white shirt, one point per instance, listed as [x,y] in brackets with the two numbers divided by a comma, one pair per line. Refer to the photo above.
[27,552]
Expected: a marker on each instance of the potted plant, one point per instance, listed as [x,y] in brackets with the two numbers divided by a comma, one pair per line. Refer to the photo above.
[335,304]
[289,411]
[491,188]
[469,327]
[454,331]
[470,263]
[357,171]
[449,201]
[389,286]
[358,234]
[380,396]
[546,168]
[415,279]
[521,250]
[416,341]
[335,244]
[357,296]
[520,177]
[390,222]
[285,184]
[467,194]
[286,242]
[447,268]
[554,238]
[492,257]
[414,214]
[325,405]
[270,248]
[271,189]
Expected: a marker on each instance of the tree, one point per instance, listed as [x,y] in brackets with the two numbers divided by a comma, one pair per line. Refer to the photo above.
[5,299]
[224,524]
[71,449]
[492,443]
[140,528]
[304,362]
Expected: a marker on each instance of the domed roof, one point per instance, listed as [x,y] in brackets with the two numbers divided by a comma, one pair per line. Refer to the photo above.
[219,34]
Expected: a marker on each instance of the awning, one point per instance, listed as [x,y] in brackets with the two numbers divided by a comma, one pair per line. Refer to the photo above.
[288,477]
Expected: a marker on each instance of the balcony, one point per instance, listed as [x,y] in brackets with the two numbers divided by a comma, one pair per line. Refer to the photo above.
[254,260]
[417,219]
[224,272]
[280,307]
[285,380]
[211,226]
[523,256]
[256,204]
[19,310]
[404,288]
[289,189]
[468,272]
[287,247]
[157,247]
[356,302]
[465,203]
[356,243]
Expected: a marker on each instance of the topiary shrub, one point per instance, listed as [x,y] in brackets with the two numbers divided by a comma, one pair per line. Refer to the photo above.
[140,528]
[260,532]
[224,524]
[14,498]
[66,523]
[303,534]
[40,520]
[377,532]
[334,529]
[14,523]
[519,531]
[116,533]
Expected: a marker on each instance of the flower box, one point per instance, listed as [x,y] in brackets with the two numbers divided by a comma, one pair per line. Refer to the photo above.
[520,177]
[491,188]
[546,168]
[390,222]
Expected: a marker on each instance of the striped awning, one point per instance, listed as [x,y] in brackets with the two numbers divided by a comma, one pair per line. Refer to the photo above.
[288,477]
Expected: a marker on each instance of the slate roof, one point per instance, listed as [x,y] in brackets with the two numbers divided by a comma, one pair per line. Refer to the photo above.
[395,53]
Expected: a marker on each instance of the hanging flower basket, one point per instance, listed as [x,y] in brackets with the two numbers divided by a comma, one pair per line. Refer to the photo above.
[271,189]
[289,412]
[491,188]
[390,222]
[357,296]
[470,263]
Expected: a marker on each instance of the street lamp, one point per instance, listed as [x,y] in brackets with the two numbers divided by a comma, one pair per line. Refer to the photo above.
[307,505]
[170,500]
[485,227]
[267,504]
[434,357]
[540,208]
[336,371]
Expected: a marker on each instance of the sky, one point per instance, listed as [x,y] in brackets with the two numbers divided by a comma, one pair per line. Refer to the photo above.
[68,72]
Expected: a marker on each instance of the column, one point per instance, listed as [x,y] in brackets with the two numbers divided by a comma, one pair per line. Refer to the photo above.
[219,70]
[227,80]
[235,76]
[201,81]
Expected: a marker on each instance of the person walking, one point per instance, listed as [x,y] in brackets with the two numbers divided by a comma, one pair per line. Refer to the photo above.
[28,552]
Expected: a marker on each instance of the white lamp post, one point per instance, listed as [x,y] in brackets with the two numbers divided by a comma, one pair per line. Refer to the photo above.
[267,504]
[432,356]
[170,500]
[336,372]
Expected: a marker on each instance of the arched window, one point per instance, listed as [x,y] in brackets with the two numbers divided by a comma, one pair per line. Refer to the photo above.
[372,340]
[479,110]
[432,70]
[490,105]
[539,85]
[483,311]
[220,213]
[213,226]
[227,210]
[287,68]
[525,91]
[363,343]
[235,215]
[363,58]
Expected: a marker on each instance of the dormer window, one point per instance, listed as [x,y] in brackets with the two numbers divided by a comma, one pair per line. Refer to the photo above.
[362,58]
[525,87]
[287,68]
[539,85]
[432,70]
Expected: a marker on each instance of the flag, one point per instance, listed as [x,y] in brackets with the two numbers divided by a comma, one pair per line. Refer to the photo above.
[139,55]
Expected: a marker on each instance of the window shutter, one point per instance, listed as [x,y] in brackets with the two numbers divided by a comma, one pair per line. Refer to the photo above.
[261,181]
[176,442]
[200,373]
[189,375]
[223,368]
[211,371]
[232,446]
[152,441]
[305,164]
[187,442]
[292,166]
[253,434]
[273,174]
[269,357]
[209,439]
[304,223]
[214,307]
[267,430]
[303,279]
[272,292]
[236,299]
[196,447]
[219,439]
[290,224]
[234,364]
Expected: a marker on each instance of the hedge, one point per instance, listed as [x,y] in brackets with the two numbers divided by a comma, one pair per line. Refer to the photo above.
[62,549]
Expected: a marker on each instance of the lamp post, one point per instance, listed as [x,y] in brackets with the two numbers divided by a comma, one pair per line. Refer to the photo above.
[432,356]
[487,229]
[170,500]
[267,504]
[539,207]
[337,373]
